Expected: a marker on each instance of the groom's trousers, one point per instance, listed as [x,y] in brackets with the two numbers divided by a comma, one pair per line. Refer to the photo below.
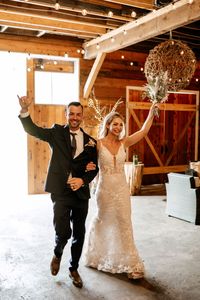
[70,214]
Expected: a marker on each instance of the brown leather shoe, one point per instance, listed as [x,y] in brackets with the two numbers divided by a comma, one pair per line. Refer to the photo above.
[55,265]
[76,279]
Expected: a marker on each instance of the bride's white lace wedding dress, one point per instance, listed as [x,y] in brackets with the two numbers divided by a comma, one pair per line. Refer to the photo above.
[110,245]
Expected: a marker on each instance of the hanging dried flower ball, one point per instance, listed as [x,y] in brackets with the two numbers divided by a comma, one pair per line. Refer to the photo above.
[174,57]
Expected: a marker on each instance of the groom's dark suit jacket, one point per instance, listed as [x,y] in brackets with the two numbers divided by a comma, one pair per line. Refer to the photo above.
[62,163]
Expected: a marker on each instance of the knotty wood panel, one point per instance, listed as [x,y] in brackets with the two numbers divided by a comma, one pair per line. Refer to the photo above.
[39,151]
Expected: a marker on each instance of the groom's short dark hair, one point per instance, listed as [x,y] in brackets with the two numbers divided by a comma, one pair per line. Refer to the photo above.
[75,103]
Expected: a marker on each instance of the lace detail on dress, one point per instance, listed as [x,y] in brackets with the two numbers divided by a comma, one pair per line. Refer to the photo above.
[108,170]
[110,245]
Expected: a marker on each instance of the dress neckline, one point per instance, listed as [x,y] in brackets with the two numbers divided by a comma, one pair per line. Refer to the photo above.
[110,151]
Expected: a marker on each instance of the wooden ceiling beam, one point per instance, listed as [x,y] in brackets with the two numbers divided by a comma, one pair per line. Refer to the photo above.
[93,74]
[47,23]
[67,8]
[155,23]
[3,28]
[79,34]
[144,4]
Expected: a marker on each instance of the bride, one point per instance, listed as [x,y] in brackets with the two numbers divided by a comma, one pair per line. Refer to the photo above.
[110,246]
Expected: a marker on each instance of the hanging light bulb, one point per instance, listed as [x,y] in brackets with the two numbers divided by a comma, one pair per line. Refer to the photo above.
[133,14]
[57,5]
[84,12]
[110,14]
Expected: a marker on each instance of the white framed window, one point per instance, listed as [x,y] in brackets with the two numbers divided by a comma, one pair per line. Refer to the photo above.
[56,87]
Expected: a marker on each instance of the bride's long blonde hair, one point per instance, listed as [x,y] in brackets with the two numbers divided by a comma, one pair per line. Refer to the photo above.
[103,131]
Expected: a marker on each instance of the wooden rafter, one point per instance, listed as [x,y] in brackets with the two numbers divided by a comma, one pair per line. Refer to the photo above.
[46,23]
[67,8]
[93,74]
[146,4]
[163,20]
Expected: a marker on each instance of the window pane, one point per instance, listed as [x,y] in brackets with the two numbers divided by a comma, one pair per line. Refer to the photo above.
[56,87]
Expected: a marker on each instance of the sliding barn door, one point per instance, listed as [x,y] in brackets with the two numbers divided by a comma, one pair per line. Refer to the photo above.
[172,141]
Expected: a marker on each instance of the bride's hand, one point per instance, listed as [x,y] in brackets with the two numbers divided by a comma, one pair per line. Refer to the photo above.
[154,109]
[90,166]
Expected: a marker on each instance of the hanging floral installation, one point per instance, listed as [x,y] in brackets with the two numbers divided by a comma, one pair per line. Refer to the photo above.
[168,67]
[174,57]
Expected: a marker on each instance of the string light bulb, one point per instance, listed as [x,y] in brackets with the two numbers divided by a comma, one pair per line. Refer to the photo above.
[133,14]
[57,5]
[84,12]
[110,14]
[97,46]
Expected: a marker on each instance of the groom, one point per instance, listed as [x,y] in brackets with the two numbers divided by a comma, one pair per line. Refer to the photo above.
[67,180]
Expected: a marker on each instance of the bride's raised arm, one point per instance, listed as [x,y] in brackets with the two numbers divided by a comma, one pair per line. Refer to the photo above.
[138,135]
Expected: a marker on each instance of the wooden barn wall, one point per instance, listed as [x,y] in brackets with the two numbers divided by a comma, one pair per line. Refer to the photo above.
[115,74]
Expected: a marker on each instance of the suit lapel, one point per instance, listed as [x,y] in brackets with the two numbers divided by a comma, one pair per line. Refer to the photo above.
[85,141]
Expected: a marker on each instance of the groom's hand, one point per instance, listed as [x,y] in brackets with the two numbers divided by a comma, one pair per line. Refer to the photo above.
[75,183]
[90,166]
[24,102]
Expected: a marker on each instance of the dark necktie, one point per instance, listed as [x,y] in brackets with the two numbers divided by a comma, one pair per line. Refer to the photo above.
[73,143]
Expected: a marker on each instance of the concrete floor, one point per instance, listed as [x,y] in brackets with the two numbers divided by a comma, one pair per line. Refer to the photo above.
[169,247]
